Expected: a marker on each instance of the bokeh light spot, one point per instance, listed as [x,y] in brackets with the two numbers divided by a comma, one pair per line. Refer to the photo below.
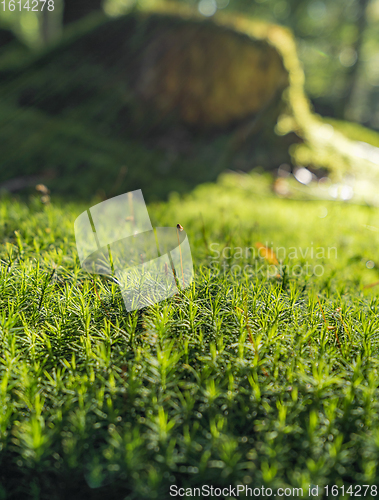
[323,212]
[317,10]
[303,175]
[207,7]
[221,4]
[348,57]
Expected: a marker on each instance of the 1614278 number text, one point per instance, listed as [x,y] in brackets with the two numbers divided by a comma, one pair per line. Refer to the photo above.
[28,5]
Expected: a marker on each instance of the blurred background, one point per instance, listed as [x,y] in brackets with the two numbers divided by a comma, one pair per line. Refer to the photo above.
[100,97]
[337,42]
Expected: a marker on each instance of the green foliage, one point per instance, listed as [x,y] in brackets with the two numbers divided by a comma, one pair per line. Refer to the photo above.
[237,380]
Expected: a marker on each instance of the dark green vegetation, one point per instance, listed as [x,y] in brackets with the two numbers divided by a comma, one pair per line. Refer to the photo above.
[236,380]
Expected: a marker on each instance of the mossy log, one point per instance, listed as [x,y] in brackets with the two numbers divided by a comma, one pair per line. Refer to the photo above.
[159,100]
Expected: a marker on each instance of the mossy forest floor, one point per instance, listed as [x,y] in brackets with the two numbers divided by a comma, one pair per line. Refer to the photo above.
[255,376]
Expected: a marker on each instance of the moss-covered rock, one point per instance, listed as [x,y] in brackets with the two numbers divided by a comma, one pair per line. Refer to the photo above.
[161,100]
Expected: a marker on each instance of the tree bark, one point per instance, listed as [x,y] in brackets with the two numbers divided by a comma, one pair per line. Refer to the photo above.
[76,9]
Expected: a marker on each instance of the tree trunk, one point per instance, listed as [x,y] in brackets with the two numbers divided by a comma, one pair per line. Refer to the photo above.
[76,9]
[353,72]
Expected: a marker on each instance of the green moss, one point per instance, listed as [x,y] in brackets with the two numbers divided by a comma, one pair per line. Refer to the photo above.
[98,403]
[75,160]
